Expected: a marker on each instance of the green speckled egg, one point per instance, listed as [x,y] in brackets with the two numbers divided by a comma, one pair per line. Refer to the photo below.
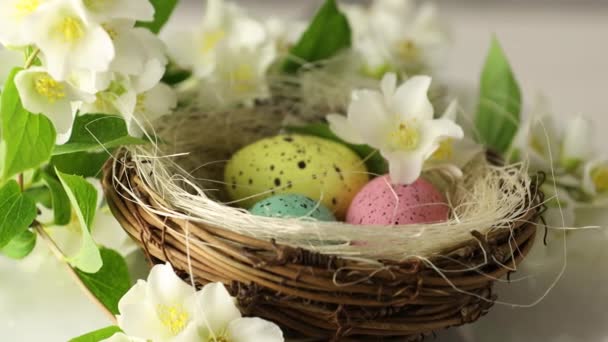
[320,169]
[291,205]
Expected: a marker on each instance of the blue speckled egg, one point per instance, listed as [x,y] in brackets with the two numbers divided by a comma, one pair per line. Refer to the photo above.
[292,206]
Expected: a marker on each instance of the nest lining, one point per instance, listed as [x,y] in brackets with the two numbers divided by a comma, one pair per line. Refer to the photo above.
[186,173]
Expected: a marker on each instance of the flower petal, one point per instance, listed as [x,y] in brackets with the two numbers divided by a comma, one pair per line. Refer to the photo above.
[121,337]
[95,52]
[369,116]
[138,314]
[165,287]
[576,144]
[389,85]
[254,330]
[343,129]
[433,131]
[189,334]
[451,112]
[411,100]
[404,167]
[215,308]
[157,102]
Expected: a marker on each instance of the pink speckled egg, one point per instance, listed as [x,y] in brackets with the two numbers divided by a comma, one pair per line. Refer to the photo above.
[383,203]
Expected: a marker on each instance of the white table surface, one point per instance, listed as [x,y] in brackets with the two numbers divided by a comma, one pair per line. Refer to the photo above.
[561,50]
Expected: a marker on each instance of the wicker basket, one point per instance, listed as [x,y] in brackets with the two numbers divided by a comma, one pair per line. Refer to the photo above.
[298,289]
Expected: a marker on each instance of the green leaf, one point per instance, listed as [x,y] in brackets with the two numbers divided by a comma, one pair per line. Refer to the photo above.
[20,246]
[81,163]
[62,210]
[28,138]
[97,335]
[111,282]
[163,10]
[375,163]
[98,132]
[17,212]
[175,74]
[83,198]
[499,108]
[40,194]
[328,34]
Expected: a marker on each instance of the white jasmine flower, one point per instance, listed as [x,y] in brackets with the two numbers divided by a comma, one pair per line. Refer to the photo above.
[118,98]
[595,177]
[391,35]
[8,61]
[138,100]
[41,93]
[164,308]
[399,122]
[537,139]
[69,41]
[101,11]
[13,18]
[224,24]
[576,146]
[135,48]
[149,106]
[241,77]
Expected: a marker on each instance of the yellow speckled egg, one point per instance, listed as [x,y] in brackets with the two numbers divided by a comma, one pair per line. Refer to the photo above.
[320,169]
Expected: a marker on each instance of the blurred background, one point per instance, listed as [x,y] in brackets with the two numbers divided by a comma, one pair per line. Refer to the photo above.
[557,48]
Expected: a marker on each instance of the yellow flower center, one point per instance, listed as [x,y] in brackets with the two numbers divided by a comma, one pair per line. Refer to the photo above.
[217,339]
[242,77]
[97,5]
[405,137]
[70,29]
[25,7]
[140,105]
[111,32]
[599,176]
[174,317]
[407,50]
[445,150]
[49,88]
[211,39]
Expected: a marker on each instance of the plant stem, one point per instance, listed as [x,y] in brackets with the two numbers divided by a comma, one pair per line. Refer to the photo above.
[59,254]
[20,181]
[30,60]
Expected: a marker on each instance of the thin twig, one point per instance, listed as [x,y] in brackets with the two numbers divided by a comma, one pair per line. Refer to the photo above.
[31,59]
[59,254]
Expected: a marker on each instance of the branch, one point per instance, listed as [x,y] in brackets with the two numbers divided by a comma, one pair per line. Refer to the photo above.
[61,257]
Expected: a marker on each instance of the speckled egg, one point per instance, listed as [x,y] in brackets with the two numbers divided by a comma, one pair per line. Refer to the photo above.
[317,168]
[383,203]
[291,205]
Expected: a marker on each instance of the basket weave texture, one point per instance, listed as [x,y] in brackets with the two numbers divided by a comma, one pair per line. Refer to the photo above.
[322,296]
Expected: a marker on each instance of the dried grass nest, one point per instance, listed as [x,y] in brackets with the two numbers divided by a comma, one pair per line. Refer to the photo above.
[405,283]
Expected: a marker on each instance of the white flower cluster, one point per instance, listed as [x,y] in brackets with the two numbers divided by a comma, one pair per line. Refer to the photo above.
[230,53]
[87,56]
[577,177]
[164,309]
